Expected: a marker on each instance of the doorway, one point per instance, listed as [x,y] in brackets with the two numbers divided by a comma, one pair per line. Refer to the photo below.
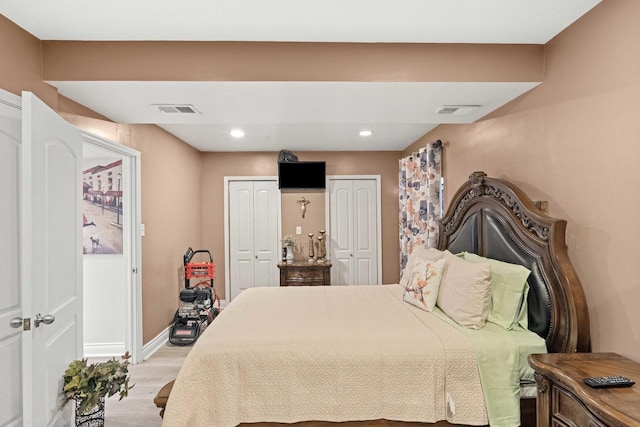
[112,249]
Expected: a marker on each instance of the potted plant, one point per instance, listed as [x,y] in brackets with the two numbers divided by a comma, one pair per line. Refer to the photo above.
[89,384]
[289,242]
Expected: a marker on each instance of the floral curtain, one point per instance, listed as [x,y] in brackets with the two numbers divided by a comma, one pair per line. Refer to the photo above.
[420,196]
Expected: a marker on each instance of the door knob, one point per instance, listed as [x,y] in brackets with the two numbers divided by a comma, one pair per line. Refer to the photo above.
[47,320]
[16,322]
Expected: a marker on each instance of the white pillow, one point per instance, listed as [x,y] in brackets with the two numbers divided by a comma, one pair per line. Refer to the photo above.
[423,285]
[465,291]
[419,253]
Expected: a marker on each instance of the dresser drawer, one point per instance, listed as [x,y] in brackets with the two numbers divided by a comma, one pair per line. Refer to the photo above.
[303,282]
[570,412]
[304,274]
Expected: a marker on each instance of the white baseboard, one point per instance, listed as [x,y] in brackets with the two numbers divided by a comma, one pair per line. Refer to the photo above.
[161,339]
[154,345]
[108,349]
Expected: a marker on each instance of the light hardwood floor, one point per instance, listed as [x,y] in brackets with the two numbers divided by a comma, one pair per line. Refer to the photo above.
[138,410]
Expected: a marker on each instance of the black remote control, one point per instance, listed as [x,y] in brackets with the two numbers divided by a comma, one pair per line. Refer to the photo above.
[609,382]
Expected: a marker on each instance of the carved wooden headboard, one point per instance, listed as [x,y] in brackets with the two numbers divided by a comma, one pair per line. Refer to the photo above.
[494,218]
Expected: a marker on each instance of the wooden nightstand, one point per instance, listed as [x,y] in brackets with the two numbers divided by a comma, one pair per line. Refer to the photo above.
[565,400]
[304,273]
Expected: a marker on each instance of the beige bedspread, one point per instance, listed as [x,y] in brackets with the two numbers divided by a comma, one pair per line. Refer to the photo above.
[326,353]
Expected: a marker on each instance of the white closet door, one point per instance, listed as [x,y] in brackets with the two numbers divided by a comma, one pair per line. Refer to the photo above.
[265,233]
[341,231]
[353,206]
[242,274]
[365,244]
[253,235]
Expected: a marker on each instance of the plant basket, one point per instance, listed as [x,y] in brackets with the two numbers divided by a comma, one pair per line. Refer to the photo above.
[93,417]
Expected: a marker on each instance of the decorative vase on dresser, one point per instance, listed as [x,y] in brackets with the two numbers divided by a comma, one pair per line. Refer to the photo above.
[311,252]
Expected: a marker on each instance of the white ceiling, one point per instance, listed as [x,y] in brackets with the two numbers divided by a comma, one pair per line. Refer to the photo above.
[296,115]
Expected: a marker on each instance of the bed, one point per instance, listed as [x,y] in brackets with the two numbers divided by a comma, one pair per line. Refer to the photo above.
[360,355]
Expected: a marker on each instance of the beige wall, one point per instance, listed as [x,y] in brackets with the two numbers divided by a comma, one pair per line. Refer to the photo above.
[21,63]
[247,61]
[171,213]
[575,141]
[218,165]
[314,219]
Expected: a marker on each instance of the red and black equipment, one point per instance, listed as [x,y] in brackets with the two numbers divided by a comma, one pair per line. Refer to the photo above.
[197,300]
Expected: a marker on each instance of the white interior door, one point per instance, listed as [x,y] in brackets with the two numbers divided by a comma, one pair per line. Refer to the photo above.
[252,211]
[10,289]
[354,230]
[51,255]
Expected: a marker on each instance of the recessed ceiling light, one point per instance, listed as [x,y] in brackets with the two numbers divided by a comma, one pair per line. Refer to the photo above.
[366,132]
[237,133]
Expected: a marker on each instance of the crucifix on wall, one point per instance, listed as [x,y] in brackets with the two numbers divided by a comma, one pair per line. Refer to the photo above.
[303,205]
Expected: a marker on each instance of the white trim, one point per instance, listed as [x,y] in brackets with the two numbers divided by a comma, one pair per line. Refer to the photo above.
[64,417]
[227,261]
[104,349]
[11,99]
[11,128]
[133,265]
[327,214]
[156,343]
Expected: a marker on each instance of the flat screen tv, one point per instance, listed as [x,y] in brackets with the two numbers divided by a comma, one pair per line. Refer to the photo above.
[301,175]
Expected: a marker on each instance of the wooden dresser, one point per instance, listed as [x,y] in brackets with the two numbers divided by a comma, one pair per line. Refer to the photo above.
[565,400]
[304,273]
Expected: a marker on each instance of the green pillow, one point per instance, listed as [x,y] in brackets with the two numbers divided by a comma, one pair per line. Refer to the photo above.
[523,316]
[509,291]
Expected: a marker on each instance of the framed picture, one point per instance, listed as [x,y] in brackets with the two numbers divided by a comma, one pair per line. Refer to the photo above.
[102,206]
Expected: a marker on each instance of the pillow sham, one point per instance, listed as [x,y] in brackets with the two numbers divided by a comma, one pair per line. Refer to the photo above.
[508,283]
[465,291]
[423,285]
[422,254]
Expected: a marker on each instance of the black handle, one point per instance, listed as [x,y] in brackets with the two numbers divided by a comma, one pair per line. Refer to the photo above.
[190,253]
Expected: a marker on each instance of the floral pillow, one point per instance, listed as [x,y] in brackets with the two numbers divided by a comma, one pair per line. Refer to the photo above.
[423,284]
[417,255]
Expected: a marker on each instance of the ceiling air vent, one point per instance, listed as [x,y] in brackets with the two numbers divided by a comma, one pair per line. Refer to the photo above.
[458,110]
[176,108]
